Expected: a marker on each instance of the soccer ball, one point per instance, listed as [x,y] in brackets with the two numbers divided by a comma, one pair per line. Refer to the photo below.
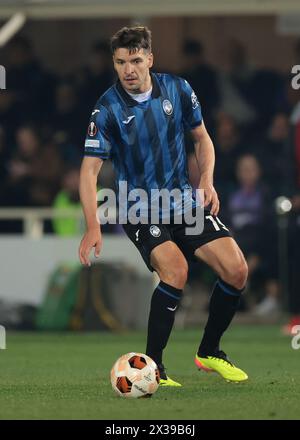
[135,375]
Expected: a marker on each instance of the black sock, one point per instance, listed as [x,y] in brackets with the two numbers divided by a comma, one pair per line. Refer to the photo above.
[164,303]
[224,303]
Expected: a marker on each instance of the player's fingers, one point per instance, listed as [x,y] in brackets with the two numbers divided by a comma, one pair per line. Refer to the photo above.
[80,254]
[215,205]
[84,255]
[83,259]
[97,248]
[207,197]
[215,210]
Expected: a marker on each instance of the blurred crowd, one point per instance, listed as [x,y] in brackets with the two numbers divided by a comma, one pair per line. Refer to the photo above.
[252,115]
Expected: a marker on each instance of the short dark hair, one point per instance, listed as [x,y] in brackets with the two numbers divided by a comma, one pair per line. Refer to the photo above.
[132,38]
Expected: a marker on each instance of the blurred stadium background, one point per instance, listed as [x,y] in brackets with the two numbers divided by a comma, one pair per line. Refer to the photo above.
[238,56]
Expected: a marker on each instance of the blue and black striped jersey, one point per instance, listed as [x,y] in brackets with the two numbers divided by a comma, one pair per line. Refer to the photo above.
[145,141]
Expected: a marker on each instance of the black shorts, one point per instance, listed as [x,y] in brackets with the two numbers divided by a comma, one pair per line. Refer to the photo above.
[147,236]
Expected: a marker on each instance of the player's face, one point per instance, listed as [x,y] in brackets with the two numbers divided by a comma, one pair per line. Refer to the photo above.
[133,69]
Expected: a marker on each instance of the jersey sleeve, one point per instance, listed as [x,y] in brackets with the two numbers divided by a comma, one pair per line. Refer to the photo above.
[191,109]
[97,142]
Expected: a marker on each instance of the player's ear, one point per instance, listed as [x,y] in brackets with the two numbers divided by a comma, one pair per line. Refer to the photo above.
[150,60]
[114,60]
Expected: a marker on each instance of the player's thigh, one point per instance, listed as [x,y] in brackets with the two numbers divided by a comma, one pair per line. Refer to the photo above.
[170,264]
[226,258]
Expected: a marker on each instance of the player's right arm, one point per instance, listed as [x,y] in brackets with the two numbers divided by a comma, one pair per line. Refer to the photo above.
[92,238]
[97,149]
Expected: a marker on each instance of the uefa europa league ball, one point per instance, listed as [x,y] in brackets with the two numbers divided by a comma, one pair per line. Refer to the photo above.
[135,375]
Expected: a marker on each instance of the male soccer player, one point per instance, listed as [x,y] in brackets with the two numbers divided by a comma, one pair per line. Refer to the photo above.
[139,123]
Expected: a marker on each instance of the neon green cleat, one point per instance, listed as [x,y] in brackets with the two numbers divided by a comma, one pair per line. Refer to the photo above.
[166,381]
[169,383]
[221,365]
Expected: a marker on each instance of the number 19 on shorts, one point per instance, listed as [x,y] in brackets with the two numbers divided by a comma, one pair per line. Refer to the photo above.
[217,224]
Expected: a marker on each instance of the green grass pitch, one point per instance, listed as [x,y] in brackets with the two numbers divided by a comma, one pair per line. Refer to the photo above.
[66,376]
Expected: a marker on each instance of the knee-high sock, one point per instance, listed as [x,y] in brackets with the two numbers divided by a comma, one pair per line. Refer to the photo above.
[223,305]
[164,304]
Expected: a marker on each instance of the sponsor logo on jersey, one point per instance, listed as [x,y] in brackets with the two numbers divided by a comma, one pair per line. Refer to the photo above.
[128,119]
[167,106]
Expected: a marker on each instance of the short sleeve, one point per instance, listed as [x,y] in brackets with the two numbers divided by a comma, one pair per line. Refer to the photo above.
[191,109]
[97,142]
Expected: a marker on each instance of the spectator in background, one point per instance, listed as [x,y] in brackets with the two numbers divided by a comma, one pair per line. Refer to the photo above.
[297,150]
[202,77]
[67,124]
[293,265]
[68,197]
[235,84]
[264,93]
[228,147]
[3,159]
[9,115]
[288,99]
[249,216]
[294,224]
[33,171]
[31,85]
[272,151]
[96,77]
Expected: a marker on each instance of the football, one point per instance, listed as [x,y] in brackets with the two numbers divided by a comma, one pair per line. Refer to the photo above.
[134,375]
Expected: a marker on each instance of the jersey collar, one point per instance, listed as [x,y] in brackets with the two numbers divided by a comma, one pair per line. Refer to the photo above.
[156,92]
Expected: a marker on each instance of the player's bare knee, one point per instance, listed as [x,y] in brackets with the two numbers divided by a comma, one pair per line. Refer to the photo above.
[244,274]
[237,275]
[240,275]
[181,276]
[176,277]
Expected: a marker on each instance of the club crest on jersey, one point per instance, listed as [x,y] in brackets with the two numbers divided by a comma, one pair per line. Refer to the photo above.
[195,102]
[167,106]
[92,130]
[155,231]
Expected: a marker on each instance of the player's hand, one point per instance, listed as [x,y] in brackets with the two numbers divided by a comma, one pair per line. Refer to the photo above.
[210,197]
[91,239]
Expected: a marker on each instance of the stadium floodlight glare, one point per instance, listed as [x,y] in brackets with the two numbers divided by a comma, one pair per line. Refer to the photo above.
[283,205]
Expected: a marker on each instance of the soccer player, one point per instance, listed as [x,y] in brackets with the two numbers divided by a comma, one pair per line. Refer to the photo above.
[139,124]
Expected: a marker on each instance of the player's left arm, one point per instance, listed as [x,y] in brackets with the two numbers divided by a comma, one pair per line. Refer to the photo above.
[205,155]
